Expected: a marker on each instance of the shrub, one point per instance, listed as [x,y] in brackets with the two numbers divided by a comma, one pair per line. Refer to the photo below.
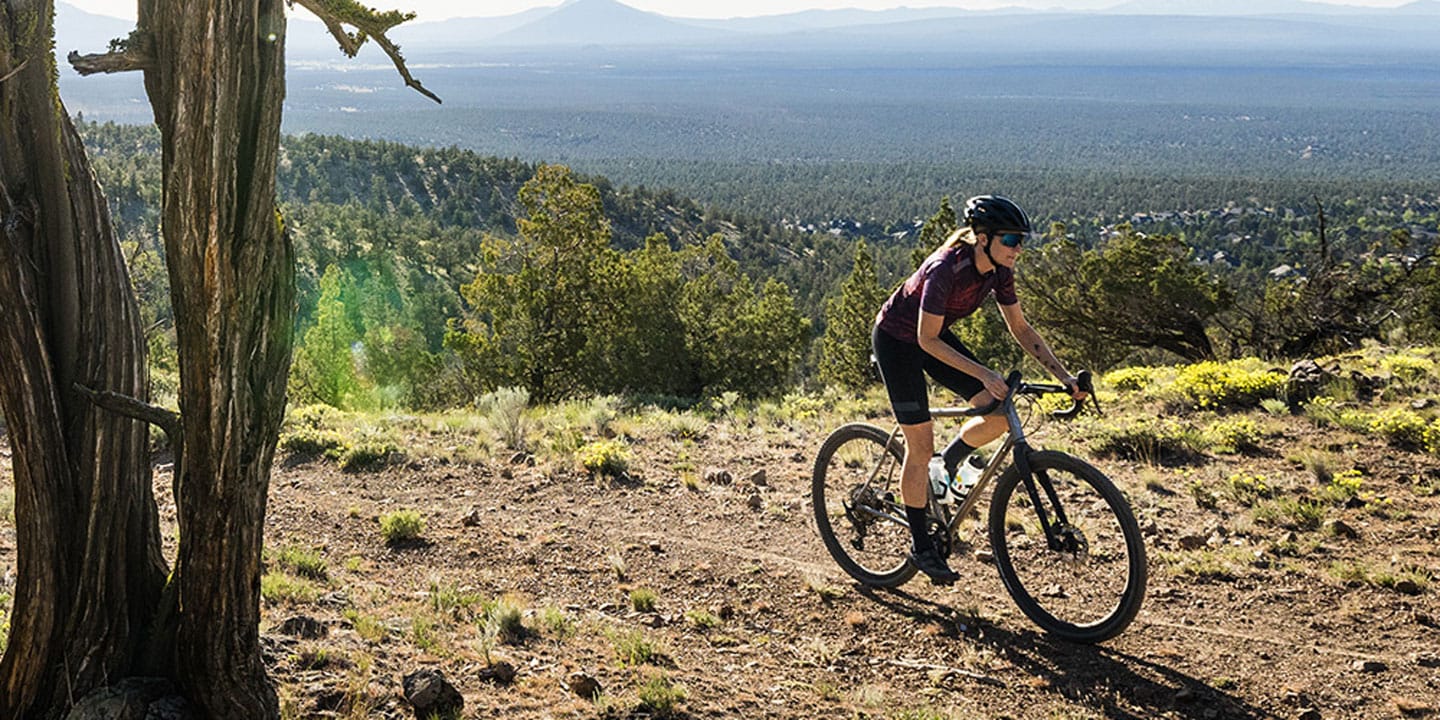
[554,621]
[633,648]
[1150,441]
[369,455]
[702,619]
[1235,435]
[1130,378]
[313,416]
[401,526]
[659,697]
[504,413]
[1342,486]
[610,458]
[1410,370]
[305,563]
[1432,437]
[643,600]
[1401,427]
[1234,384]
[1248,489]
[504,619]
[313,442]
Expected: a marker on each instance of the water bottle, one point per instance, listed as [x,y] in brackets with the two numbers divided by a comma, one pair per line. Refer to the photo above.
[969,473]
[940,481]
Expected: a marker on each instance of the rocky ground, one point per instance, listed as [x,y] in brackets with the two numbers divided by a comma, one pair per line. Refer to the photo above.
[695,586]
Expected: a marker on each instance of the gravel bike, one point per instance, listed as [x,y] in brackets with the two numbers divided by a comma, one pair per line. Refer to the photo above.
[1063,536]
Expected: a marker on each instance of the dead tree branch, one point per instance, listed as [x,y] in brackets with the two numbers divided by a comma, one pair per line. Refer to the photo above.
[368,24]
[131,53]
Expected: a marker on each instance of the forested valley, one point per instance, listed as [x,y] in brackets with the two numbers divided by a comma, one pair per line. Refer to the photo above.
[406,254]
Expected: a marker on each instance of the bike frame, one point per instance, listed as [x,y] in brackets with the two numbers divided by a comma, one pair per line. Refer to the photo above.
[1013,444]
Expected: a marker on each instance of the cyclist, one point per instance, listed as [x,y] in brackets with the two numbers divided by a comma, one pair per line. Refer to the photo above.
[911,338]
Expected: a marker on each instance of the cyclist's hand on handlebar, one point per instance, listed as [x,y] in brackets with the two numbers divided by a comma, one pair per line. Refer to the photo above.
[1076,392]
[995,384]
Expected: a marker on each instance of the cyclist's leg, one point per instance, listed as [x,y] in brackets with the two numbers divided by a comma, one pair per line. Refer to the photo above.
[902,369]
[977,431]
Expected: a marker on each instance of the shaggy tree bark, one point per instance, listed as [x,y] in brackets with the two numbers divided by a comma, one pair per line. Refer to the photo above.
[89,568]
[216,81]
[89,607]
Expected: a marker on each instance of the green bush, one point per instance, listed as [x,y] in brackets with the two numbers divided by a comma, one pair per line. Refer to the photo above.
[1432,437]
[1249,489]
[610,458]
[1401,427]
[369,455]
[1233,384]
[1235,435]
[1410,370]
[313,442]
[1130,378]
[659,697]
[1150,441]
[401,526]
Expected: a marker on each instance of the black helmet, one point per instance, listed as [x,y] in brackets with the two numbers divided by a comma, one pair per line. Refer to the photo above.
[995,213]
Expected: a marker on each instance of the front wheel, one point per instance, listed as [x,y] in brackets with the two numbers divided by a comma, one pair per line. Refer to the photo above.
[1085,582]
[855,490]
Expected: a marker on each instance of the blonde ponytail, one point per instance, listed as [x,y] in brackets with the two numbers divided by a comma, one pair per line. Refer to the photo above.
[964,234]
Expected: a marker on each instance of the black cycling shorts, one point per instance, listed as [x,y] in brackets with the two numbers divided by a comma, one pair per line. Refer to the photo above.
[903,366]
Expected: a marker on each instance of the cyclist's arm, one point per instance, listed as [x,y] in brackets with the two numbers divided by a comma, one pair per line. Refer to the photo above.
[1036,346]
[927,332]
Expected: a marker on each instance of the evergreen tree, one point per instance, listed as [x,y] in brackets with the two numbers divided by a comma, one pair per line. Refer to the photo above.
[934,232]
[325,363]
[849,316]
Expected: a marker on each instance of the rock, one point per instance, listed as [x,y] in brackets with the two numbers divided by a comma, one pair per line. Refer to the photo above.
[431,694]
[1407,587]
[1370,666]
[755,502]
[472,518]
[1340,528]
[1193,541]
[1305,380]
[522,458]
[583,685]
[1408,707]
[656,547]
[1308,714]
[1428,661]
[305,628]
[757,478]
[499,673]
[133,699]
[1421,403]
[985,556]
[718,476]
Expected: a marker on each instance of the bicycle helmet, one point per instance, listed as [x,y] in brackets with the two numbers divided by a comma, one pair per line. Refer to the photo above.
[995,213]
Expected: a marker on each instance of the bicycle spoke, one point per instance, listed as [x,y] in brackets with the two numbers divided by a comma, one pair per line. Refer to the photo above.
[856,487]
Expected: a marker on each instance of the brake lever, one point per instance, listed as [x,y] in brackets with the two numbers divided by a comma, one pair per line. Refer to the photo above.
[1084,381]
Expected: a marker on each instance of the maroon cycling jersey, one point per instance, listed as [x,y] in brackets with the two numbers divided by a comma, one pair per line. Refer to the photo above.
[947,284]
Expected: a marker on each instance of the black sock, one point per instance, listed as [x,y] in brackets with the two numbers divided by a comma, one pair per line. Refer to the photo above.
[919,521]
[955,453]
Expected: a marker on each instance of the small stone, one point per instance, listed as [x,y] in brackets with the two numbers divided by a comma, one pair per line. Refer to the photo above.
[757,478]
[471,519]
[1407,587]
[583,685]
[1413,708]
[1370,666]
[499,673]
[1193,541]
[655,547]
[431,694]
[755,502]
[1308,714]
[305,628]
[1428,661]
[1339,528]
[718,476]
[985,556]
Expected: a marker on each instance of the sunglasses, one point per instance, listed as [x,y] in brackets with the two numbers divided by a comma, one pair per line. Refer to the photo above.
[1011,239]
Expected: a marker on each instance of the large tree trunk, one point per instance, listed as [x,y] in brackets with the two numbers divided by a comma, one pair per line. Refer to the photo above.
[90,570]
[217,84]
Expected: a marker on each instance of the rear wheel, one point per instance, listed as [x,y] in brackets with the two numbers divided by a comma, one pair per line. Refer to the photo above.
[1087,583]
[855,490]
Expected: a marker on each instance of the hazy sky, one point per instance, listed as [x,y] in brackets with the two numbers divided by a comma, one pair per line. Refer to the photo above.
[441,9]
